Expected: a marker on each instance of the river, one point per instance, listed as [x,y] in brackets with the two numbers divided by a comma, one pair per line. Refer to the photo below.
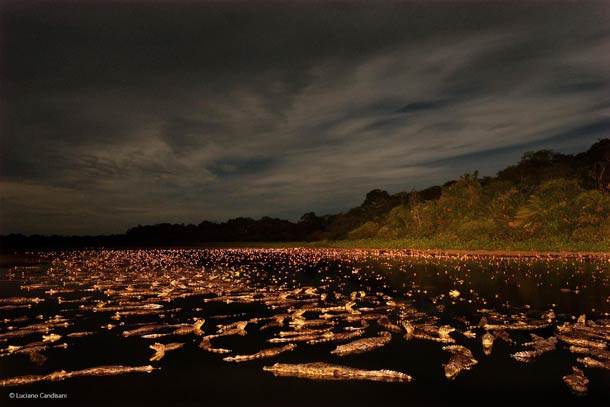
[94,301]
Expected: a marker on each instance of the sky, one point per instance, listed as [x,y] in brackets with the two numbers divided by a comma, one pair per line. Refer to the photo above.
[115,114]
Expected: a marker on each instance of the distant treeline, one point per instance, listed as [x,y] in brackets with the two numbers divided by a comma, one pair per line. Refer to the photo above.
[546,194]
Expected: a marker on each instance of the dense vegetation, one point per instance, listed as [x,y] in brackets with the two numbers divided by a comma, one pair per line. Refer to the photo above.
[546,201]
[545,197]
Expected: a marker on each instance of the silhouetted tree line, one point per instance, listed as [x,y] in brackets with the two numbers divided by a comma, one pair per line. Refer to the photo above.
[545,194]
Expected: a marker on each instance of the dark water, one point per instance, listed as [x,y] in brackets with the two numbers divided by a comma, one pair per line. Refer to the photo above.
[395,284]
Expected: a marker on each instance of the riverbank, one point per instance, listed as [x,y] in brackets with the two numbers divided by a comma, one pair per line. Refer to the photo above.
[541,245]
[423,247]
[434,247]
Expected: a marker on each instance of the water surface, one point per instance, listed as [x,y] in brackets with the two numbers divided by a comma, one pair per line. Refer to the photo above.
[98,292]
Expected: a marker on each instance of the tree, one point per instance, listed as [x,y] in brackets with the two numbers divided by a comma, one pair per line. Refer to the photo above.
[459,199]
[552,210]
[593,220]
[365,231]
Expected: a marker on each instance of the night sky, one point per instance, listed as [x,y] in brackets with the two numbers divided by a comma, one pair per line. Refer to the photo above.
[115,114]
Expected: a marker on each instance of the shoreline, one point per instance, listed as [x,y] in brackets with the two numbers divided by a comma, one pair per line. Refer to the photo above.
[507,253]
[15,258]
[444,252]
[432,251]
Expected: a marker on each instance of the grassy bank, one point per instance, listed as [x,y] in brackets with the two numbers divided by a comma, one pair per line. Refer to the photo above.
[530,245]
[545,245]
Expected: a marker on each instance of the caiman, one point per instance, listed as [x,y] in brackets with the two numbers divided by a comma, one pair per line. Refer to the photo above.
[523,324]
[581,341]
[488,342]
[62,374]
[80,334]
[42,328]
[296,338]
[265,353]
[206,345]
[540,346]
[593,352]
[461,359]
[301,323]
[430,332]
[577,381]
[239,328]
[278,321]
[363,345]
[336,337]
[409,329]
[111,370]
[325,371]
[20,300]
[230,327]
[148,329]
[161,348]
[284,334]
[584,333]
[193,329]
[386,324]
[32,351]
[51,338]
[590,362]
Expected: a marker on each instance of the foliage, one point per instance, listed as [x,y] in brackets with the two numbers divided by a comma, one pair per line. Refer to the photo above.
[368,230]
[545,197]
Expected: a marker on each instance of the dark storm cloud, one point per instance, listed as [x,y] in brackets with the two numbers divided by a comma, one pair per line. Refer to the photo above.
[118,113]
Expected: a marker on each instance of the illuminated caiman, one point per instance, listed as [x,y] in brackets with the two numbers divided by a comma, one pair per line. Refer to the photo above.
[325,371]
[428,332]
[386,324]
[236,328]
[336,337]
[265,353]
[525,324]
[206,345]
[593,352]
[41,328]
[585,334]
[193,329]
[161,348]
[32,350]
[148,329]
[363,345]
[461,359]
[540,346]
[576,381]
[62,374]
[487,341]
[590,362]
